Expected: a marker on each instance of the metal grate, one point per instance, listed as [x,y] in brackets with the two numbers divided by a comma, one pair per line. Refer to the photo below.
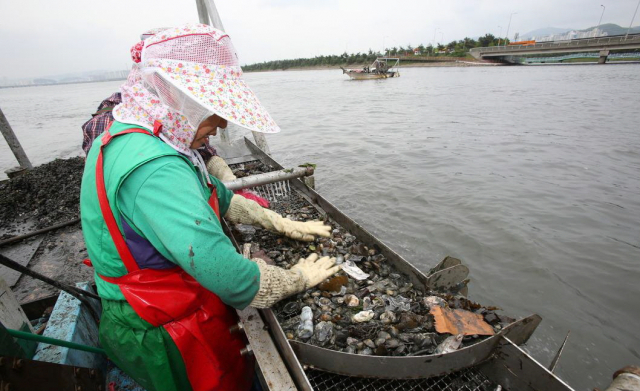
[274,191]
[466,380]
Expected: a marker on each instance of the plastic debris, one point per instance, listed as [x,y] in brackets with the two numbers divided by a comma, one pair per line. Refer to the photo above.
[305,328]
[456,321]
[397,303]
[354,271]
[450,344]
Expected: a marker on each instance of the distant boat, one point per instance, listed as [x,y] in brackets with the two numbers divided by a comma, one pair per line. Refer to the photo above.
[379,69]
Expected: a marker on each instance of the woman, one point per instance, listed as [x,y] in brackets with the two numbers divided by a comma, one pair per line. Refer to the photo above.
[168,276]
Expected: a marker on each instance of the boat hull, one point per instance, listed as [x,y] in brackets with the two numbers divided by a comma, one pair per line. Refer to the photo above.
[371,76]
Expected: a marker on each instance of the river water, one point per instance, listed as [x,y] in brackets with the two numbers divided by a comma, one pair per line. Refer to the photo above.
[530,175]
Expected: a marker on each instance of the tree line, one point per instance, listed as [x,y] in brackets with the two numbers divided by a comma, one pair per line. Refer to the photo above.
[454,48]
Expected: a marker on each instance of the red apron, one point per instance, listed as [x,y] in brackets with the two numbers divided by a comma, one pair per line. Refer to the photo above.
[197,320]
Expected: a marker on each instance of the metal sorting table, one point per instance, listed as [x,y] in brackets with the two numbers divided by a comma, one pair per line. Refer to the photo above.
[464,380]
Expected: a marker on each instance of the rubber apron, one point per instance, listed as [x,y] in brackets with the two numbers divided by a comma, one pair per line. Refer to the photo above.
[196,319]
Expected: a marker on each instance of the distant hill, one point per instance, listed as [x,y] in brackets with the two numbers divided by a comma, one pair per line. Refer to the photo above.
[544,32]
[614,29]
[78,77]
[44,81]
[608,28]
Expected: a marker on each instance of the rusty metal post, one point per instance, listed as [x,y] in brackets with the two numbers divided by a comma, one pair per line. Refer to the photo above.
[261,142]
[13,142]
[214,16]
[203,16]
[216,21]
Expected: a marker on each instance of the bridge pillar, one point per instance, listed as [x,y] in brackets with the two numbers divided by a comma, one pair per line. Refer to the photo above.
[603,56]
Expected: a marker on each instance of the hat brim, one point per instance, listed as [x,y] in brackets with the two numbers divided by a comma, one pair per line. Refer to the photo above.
[229,98]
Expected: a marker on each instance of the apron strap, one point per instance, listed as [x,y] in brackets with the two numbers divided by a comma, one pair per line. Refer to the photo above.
[213,201]
[107,213]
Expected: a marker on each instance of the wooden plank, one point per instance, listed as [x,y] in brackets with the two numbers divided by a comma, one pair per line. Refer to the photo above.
[272,368]
[22,253]
[11,314]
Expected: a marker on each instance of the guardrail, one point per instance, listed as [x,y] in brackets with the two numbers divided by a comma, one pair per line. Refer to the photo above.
[588,42]
[442,58]
[533,60]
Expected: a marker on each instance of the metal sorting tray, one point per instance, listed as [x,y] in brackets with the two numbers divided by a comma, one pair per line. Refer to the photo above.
[380,367]
[412,367]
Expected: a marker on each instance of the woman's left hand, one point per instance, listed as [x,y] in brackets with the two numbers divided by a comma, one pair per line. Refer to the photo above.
[302,230]
[244,211]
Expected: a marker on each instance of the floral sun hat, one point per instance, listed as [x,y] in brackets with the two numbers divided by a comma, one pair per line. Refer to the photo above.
[142,107]
[194,70]
[151,32]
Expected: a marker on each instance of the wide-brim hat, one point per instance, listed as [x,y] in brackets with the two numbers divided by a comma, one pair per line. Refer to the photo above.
[194,69]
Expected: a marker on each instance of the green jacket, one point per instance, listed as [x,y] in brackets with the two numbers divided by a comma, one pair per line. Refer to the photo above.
[161,195]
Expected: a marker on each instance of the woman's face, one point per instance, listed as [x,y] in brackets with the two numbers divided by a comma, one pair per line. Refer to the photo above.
[207,128]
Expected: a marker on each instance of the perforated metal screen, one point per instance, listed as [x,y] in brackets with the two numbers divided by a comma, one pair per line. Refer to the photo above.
[465,380]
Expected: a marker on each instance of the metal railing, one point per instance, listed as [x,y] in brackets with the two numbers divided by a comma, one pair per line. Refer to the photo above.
[579,55]
[584,42]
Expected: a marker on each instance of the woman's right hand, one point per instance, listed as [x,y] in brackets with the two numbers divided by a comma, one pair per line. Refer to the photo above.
[277,283]
[315,270]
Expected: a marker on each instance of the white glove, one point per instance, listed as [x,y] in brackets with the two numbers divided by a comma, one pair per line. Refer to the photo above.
[219,169]
[244,211]
[315,270]
[277,283]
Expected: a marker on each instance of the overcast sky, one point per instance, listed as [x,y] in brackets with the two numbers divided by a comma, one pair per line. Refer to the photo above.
[39,38]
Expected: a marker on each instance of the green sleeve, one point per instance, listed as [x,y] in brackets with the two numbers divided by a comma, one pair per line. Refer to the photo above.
[165,203]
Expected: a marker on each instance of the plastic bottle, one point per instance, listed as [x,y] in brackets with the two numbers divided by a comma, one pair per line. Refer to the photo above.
[305,328]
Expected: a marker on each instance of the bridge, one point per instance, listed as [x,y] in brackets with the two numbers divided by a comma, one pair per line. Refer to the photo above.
[414,58]
[602,45]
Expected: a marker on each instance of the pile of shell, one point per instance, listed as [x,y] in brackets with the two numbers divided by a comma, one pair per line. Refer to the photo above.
[47,195]
[381,314]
